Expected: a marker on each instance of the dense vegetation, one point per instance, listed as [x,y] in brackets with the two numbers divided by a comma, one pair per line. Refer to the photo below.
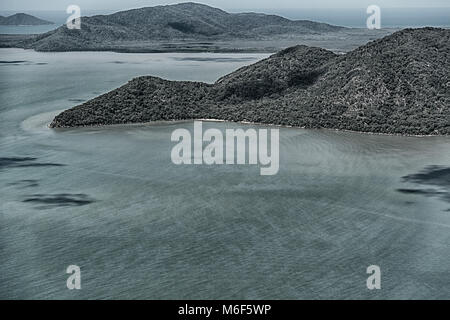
[22,19]
[188,21]
[397,85]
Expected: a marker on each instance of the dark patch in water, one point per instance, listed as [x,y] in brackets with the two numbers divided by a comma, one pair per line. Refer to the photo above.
[59,200]
[438,176]
[24,162]
[428,193]
[22,63]
[76,100]
[12,61]
[432,175]
[418,191]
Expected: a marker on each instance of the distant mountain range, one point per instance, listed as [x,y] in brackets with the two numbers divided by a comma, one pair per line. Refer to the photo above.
[192,27]
[186,21]
[398,85]
[22,19]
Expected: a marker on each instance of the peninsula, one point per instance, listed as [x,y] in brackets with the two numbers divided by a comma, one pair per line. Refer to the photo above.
[396,85]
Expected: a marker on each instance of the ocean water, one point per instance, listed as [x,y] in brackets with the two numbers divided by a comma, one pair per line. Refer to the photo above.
[390,17]
[110,200]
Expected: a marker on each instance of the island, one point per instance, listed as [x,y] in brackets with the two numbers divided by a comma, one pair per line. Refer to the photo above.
[22,19]
[395,85]
[192,27]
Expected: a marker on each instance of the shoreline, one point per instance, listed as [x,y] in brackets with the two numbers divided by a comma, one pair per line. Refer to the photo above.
[169,122]
[150,51]
[313,87]
[331,40]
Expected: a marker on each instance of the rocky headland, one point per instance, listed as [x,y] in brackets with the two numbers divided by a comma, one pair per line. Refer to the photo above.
[396,85]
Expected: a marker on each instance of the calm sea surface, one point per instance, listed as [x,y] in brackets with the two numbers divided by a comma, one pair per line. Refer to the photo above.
[110,200]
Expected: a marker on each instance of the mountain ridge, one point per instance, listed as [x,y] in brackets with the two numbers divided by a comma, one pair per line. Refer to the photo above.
[22,19]
[185,21]
[395,85]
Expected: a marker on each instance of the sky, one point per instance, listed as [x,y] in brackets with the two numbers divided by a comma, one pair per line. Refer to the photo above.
[27,5]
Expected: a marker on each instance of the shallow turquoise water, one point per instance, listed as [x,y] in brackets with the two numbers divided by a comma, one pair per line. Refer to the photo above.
[110,200]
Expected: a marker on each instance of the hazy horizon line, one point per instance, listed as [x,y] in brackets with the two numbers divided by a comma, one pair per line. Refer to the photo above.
[274,8]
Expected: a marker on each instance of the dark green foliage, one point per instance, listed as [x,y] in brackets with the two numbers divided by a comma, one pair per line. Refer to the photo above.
[303,78]
[183,27]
